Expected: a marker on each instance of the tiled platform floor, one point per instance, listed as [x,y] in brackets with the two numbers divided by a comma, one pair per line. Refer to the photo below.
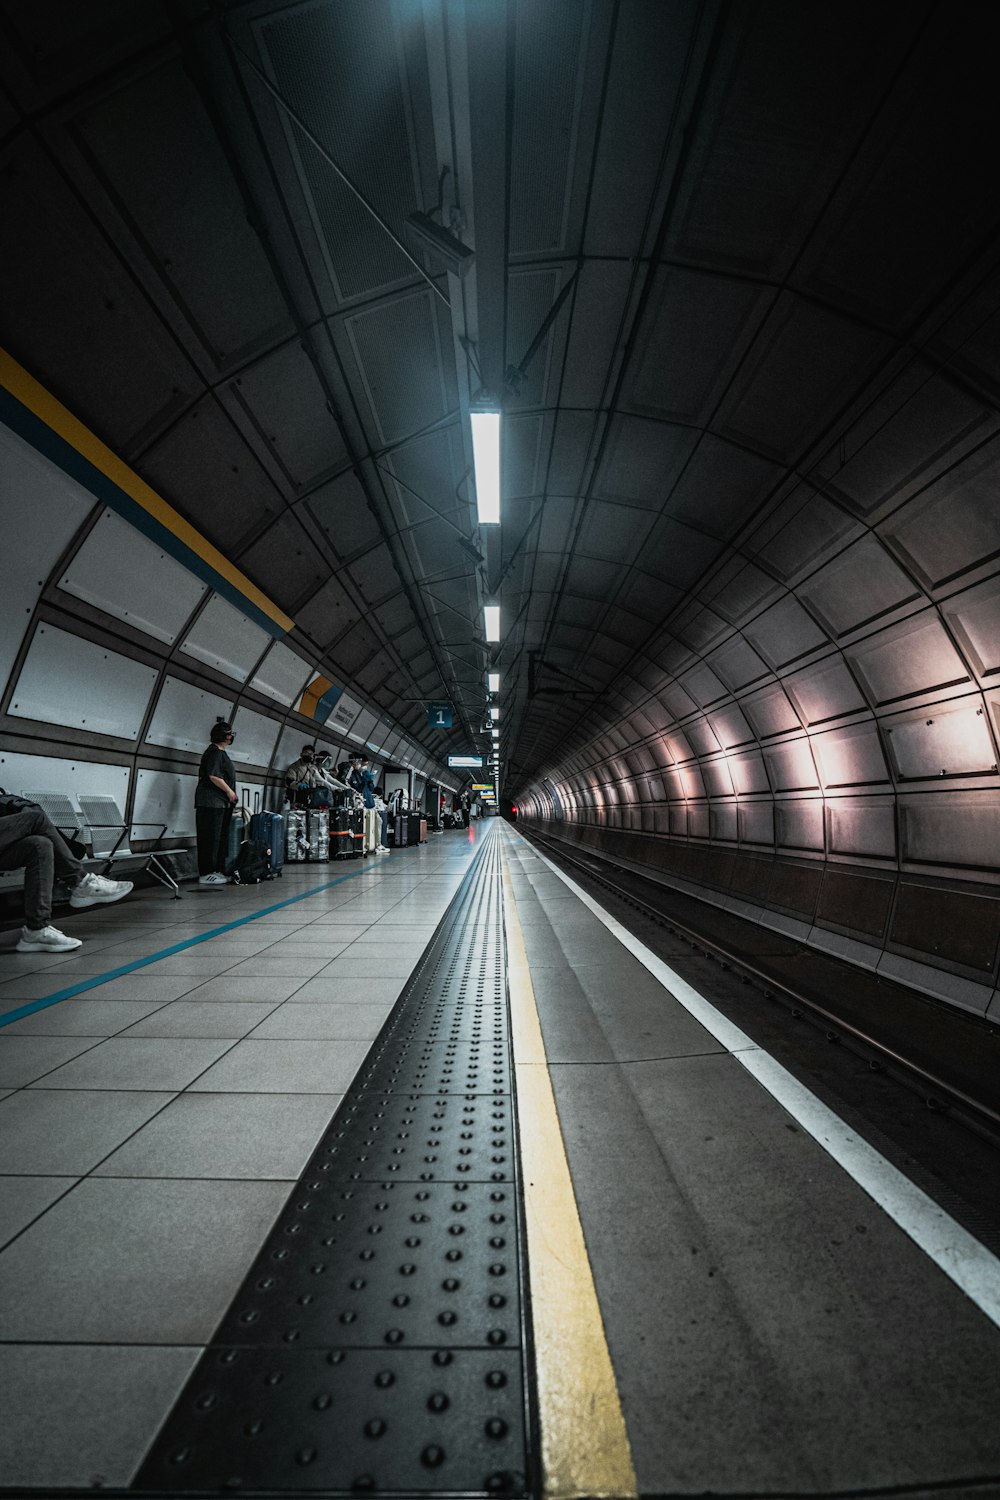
[152,1127]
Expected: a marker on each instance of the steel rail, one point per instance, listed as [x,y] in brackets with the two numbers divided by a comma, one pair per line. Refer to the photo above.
[943,1094]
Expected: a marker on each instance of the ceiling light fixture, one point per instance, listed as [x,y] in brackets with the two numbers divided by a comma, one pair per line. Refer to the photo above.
[486,458]
[494,713]
[493,682]
[491,614]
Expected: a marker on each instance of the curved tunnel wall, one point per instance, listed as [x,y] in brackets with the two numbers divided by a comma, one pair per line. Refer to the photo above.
[813,741]
[120,645]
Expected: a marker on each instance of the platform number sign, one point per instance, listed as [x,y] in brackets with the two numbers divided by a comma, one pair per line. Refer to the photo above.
[439,715]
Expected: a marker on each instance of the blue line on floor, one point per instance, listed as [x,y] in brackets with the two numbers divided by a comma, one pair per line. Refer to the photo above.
[140,963]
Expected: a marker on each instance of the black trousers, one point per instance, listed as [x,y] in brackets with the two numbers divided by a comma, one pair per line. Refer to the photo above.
[212,827]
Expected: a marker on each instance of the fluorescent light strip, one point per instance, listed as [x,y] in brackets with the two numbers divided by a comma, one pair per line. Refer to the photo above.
[486,457]
[494,714]
[491,613]
[493,682]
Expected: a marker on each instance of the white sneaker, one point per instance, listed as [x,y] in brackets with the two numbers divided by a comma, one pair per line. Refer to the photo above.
[216,878]
[94,889]
[45,940]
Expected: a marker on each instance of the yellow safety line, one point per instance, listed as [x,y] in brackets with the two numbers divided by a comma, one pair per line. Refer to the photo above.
[585,1446]
[26,389]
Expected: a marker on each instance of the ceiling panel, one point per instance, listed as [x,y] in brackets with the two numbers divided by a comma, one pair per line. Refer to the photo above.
[59,308]
[191,224]
[287,411]
[341,69]
[549,42]
[401,358]
[203,466]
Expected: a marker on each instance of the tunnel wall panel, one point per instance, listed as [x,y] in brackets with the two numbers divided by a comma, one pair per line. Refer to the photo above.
[81,685]
[104,570]
[116,657]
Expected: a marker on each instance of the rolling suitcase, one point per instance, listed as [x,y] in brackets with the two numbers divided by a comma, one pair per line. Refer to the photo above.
[268,828]
[413,831]
[423,830]
[400,830]
[318,834]
[236,831]
[296,843]
[357,817]
[341,836]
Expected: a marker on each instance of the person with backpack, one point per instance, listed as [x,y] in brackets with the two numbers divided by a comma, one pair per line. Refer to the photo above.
[30,841]
[362,780]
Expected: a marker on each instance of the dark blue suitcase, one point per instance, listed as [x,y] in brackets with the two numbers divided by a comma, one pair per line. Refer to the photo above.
[269,828]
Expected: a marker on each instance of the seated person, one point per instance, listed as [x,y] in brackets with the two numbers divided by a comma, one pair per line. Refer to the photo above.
[30,841]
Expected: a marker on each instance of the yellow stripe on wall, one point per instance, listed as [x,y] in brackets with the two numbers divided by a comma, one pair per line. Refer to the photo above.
[26,389]
[585,1446]
[312,695]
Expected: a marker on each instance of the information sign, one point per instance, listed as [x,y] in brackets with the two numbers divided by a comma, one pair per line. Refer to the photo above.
[439,715]
[465,762]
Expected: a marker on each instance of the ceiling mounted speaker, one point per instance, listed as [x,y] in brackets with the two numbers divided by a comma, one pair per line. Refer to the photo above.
[422,233]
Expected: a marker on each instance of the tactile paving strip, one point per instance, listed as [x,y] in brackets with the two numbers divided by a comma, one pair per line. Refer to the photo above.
[377,1343]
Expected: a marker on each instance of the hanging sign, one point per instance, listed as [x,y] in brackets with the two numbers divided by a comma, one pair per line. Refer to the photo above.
[439,715]
[465,762]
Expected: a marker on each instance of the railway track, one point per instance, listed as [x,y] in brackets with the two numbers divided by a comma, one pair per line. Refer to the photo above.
[951,1060]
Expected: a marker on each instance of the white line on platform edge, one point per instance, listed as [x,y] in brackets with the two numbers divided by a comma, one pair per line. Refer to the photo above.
[973,1268]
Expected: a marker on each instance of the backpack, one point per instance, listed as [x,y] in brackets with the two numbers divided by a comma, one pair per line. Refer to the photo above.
[253,863]
[11,804]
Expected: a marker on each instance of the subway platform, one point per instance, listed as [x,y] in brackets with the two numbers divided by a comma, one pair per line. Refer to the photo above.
[427,1177]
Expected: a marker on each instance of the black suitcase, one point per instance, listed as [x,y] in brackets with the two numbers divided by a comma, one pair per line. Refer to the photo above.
[357,817]
[237,828]
[413,830]
[341,834]
[401,830]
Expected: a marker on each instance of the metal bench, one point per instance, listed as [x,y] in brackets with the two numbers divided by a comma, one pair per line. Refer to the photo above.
[110,836]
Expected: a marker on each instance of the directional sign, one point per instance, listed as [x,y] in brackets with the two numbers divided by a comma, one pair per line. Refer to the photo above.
[439,715]
[482,786]
[465,762]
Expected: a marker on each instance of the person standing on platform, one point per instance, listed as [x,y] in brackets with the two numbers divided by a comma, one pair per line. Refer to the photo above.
[302,778]
[214,800]
[362,780]
[382,809]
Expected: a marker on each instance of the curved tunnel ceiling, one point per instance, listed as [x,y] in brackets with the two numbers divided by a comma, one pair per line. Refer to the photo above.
[735,274]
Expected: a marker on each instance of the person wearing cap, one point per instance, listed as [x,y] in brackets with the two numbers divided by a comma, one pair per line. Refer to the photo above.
[302,777]
[214,799]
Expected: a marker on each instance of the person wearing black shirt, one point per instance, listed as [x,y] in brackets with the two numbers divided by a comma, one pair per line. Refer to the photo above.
[214,800]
